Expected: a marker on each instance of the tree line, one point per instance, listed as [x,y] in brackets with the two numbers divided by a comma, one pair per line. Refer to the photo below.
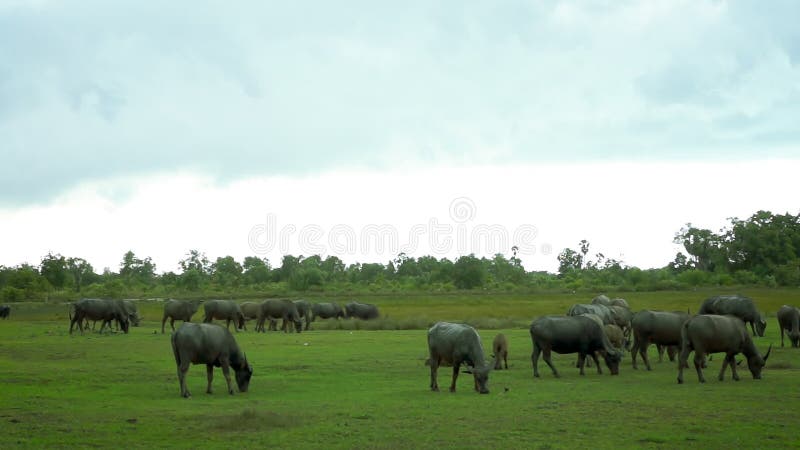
[761,250]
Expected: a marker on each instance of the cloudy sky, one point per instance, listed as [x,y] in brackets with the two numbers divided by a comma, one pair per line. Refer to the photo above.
[264,128]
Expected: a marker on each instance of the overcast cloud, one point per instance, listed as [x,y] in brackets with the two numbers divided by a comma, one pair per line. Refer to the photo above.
[92,90]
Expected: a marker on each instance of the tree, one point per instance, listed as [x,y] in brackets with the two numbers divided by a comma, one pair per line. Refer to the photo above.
[133,269]
[54,269]
[569,260]
[226,271]
[256,270]
[469,272]
[705,247]
[197,261]
[81,272]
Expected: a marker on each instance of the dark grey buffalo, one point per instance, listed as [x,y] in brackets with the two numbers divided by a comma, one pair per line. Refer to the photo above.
[602,311]
[736,305]
[274,309]
[227,310]
[363,311]
[104,310]
[305,312]
[655,327]
[789,321]
[250,310]
[455,344]
[214,346]
[706,334]
[622,317]
[5,310]
[178,310]
[327,311]
[571,334]
[601,299]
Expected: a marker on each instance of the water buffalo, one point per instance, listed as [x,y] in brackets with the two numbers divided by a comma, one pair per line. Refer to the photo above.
[500,350]
[212,345]
[615,336]
[705,334]
[305,312]
[789,320]
[250,310]
[655,327]
[619,302]
[571,334]
[227,310]
[601,299]
[104,310]
[622,317]
[602,311]
[454,344]
[5,310]
[363,311]
[736,305]
[280,309]
[326,311]
[178,310]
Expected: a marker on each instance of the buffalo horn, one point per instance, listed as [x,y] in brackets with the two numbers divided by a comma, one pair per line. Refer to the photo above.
[767,355]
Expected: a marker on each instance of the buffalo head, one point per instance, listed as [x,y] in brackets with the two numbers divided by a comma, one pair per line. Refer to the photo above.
[243,374]
[481,375]
[240,320]
[755,363]
[613,359]
[298,326]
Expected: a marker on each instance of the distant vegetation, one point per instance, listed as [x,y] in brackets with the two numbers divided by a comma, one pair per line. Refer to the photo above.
[763,250]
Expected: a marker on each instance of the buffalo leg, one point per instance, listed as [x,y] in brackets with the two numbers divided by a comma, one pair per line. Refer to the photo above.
[660,349]
[227,373]
[732,362]
[596,362]
[643,352]
[183,367]
[535,359]
[505,359]
[210,376]
[725,361]
[434,373]
[683,361]
[781,327]
[634,350]
[456,367]
[582,362]
[550,363]
[172,323]
[163,322]
[698,366]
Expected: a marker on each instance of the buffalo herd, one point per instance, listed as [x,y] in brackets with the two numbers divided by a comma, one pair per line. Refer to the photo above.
[602,329]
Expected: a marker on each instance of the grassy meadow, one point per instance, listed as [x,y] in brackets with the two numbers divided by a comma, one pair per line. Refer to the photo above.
[352,384]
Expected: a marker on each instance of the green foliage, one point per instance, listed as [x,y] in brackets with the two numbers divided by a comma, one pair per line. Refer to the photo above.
[469,272]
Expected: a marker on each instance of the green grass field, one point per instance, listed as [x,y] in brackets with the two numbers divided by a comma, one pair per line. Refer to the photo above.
[358,388]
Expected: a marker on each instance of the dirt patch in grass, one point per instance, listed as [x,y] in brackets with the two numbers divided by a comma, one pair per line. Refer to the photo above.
[251,420]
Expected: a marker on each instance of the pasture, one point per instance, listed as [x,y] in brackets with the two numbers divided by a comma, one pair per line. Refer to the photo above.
[364,385]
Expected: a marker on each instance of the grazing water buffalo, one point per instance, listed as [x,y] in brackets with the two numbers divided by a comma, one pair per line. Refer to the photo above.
[454,344]
[227,310]
[178,310]
[104,310]
[279,309]
[363,311]
[326,311]
[736,305]
[305,312]
[622,317]
[620,302]
[5,310]
[500,350]
[712,333]
[655,327]
[602,311]
[571,334]
[212,345]
[789,320]
[250,311]
[615,336]
[601,299]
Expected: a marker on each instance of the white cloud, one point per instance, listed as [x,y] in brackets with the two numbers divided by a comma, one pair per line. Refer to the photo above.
[628,211]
